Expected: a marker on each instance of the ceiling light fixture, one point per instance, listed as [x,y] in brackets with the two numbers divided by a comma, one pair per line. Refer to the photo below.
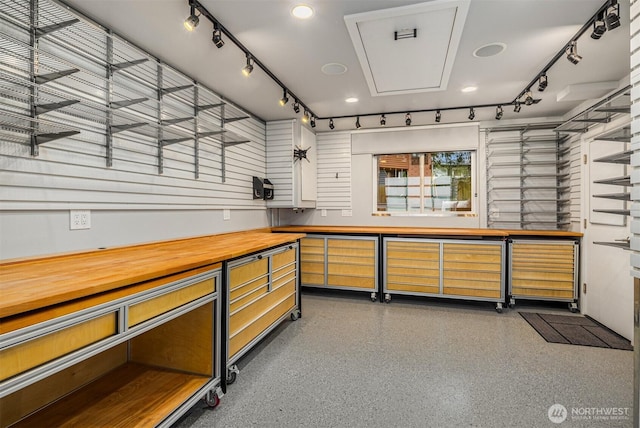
[542,82]
[351,100]
[331,125]
[247,69]
[192,20]
[312,122]
[305,117]
[528,98]
[599,27]
[302,11]
[438,116]
[499,112]
[469,89]
[296,106]
[472,113]
[284,100]
[517,107]
[407,119]
[383,120]
[358,122]
[217,36]
[613,15]
[572,52]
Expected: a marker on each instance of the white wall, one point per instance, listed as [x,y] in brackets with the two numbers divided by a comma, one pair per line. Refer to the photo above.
[362,178]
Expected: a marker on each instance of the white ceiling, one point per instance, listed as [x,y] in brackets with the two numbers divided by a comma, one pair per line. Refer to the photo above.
[295,51]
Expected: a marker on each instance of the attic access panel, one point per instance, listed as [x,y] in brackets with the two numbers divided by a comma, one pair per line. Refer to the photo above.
[408,49]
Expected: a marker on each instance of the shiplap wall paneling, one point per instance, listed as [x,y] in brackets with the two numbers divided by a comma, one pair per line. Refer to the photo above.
[131,115]
[280,142]
[334,170]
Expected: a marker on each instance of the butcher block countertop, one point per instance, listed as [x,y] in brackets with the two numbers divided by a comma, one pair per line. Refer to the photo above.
[427,231]
[34,283]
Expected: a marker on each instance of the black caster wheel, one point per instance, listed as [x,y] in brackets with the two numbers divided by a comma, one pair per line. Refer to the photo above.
[295,315]
[231,377]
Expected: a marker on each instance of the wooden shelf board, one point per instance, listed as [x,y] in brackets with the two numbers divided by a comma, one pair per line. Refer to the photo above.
[131,395]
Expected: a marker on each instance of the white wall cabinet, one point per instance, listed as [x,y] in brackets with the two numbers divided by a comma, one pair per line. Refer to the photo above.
[294,177]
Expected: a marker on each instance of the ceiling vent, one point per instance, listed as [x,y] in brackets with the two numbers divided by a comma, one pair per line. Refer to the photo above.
[408,49]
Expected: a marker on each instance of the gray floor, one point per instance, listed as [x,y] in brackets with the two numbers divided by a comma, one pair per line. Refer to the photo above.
[419,363]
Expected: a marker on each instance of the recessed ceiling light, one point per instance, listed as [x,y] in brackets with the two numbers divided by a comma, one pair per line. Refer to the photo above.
[469,89]
[302,11]
[491,49]
[351,100]
[334,68]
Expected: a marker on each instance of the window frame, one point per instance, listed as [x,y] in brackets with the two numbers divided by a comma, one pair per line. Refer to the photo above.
[473,212]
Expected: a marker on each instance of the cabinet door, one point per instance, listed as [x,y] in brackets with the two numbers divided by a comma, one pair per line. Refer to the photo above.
[351,263]
[544,270]
[473,269]
[413,266]
[312,261]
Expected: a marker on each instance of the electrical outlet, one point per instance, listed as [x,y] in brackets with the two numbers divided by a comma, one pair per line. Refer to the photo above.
[226,214]
[323,213]
[79,219]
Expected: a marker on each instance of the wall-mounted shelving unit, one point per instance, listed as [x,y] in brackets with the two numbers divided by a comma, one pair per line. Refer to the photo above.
[527,178]
[609,160]
[63,76]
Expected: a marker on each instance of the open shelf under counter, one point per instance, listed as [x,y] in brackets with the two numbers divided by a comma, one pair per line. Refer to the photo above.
[131,395]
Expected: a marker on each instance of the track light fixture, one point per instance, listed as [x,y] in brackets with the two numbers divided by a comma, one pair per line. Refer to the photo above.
[542,82]
[217,36]
[528,98]
[312,122]
[407,119]
[517,107]
[296,106]
[572,52]
[613,15]
[499,112]
[305,117]
[284,100]
[438,116]
[358,122]
[472,113]
[383,120]
[331,125]
[192,20]
[247,69]
[599,27]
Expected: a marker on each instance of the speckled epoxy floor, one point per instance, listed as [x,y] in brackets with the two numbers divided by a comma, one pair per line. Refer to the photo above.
[418,363]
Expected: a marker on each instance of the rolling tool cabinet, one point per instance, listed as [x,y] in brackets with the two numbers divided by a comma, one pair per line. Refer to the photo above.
[262,291]
[460,269]
[544,270]
[340,262]
[138,355]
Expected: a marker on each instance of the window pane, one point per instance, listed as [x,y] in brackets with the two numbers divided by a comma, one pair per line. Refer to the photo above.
[399,182]
[448,185]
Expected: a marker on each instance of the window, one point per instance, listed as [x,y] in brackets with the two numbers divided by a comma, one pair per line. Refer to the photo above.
[425,182]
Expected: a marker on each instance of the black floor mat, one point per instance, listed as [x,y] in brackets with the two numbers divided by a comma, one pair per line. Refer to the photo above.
[575,330]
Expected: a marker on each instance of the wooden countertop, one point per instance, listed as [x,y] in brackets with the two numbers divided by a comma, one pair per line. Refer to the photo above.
[33,283]
[423,231]
[390,230]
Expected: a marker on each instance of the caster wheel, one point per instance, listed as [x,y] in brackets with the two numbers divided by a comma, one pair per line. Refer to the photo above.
[213,401]
[231,377]
[387,298]
[374,297]
[573,308]
[499,310]
[295,315]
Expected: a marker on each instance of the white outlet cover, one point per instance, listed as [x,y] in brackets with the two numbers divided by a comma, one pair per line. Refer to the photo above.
[323,213]
[79,219]
[226,214]
[346,213]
